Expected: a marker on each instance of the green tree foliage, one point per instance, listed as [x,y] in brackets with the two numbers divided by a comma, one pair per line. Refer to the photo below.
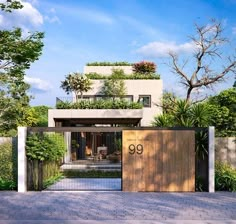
[45,146]
[14,105]
[184,114]
[17,53]
[223,112]
[76,83]
[41,115]
[113,86]
[10,5]
[8,164]
[144,67]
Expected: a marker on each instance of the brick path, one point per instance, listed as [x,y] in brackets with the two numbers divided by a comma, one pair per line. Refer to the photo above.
[117,207]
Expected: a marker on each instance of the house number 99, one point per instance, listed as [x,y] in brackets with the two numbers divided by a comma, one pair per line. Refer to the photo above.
[138,149]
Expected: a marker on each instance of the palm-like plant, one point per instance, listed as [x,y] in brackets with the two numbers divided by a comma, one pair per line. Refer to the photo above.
[77,83]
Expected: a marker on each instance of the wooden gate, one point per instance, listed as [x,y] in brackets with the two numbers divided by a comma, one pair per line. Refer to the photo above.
[158,160]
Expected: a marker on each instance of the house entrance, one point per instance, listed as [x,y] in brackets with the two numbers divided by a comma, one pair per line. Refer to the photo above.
[150,159]
[92,161]
[95,145]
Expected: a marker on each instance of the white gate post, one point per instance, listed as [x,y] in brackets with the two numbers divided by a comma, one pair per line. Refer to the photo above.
[22,161]
[211,159]
[67,137]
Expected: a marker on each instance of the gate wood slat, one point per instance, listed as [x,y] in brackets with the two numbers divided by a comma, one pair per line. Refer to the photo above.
[128,176]
[166,164]
[191,183]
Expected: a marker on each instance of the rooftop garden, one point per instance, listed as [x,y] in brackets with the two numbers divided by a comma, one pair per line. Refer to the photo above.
[99,104]
[107,63]
[113,87]
[121,75]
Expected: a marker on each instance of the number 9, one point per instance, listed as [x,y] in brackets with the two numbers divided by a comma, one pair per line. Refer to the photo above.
[131,149]
[139,149]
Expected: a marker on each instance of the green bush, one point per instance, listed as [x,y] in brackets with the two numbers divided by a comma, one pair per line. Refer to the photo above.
[94,75]
[45,146]
[100,104]
[134,76]
[107,63]
[8,166]
[225,177]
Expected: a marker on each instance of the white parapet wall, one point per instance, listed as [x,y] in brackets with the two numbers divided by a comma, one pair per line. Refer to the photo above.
[107,70]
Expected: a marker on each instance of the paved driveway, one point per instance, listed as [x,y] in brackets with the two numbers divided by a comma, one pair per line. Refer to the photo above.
[117,207]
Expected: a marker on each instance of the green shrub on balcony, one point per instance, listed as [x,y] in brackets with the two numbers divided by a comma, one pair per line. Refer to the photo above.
[99,104]
[135,76]
[107,63]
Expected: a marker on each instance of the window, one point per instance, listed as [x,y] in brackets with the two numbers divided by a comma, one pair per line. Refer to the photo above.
[145,100]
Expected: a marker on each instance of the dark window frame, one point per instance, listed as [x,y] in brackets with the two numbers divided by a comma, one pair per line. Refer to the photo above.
[150,100]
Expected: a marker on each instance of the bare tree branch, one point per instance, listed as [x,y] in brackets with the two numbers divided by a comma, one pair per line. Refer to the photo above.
[207,41]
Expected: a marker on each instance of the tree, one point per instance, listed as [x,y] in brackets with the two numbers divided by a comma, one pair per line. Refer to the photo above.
[207,43]
[17,53]
[9,5]
[114,87]
[14,105]
[184,114]
[223,112]
[76,83]
[42,115]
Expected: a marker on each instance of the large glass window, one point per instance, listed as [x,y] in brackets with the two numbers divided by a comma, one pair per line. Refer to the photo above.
[145,100]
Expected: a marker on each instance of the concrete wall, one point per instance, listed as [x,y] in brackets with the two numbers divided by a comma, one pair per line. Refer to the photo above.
[135,88]
[94,113]
[107,70]
[226,150]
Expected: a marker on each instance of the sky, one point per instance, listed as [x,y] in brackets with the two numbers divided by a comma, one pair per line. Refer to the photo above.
[82,31]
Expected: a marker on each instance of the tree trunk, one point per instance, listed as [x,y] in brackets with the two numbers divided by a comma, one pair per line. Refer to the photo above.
[188,94]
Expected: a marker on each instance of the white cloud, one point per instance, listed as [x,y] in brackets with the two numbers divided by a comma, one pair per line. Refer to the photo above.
[38,85]
[52,19]
[25,17]
[161,49]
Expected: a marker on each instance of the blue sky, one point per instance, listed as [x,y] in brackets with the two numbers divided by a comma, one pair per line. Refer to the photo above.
[77,32]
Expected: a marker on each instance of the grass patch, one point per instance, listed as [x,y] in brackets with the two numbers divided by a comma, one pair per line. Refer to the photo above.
[92,174]
[50,181]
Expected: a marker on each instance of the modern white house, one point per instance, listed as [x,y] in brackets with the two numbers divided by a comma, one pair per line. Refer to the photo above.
[147,92]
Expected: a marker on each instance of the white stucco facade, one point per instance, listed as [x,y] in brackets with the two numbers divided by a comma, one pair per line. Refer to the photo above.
[151,88]
[107,70]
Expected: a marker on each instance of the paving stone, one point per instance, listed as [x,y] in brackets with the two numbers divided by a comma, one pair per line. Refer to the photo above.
[117,207]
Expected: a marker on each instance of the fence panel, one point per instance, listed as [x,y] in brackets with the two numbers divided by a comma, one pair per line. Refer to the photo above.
[158,160]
